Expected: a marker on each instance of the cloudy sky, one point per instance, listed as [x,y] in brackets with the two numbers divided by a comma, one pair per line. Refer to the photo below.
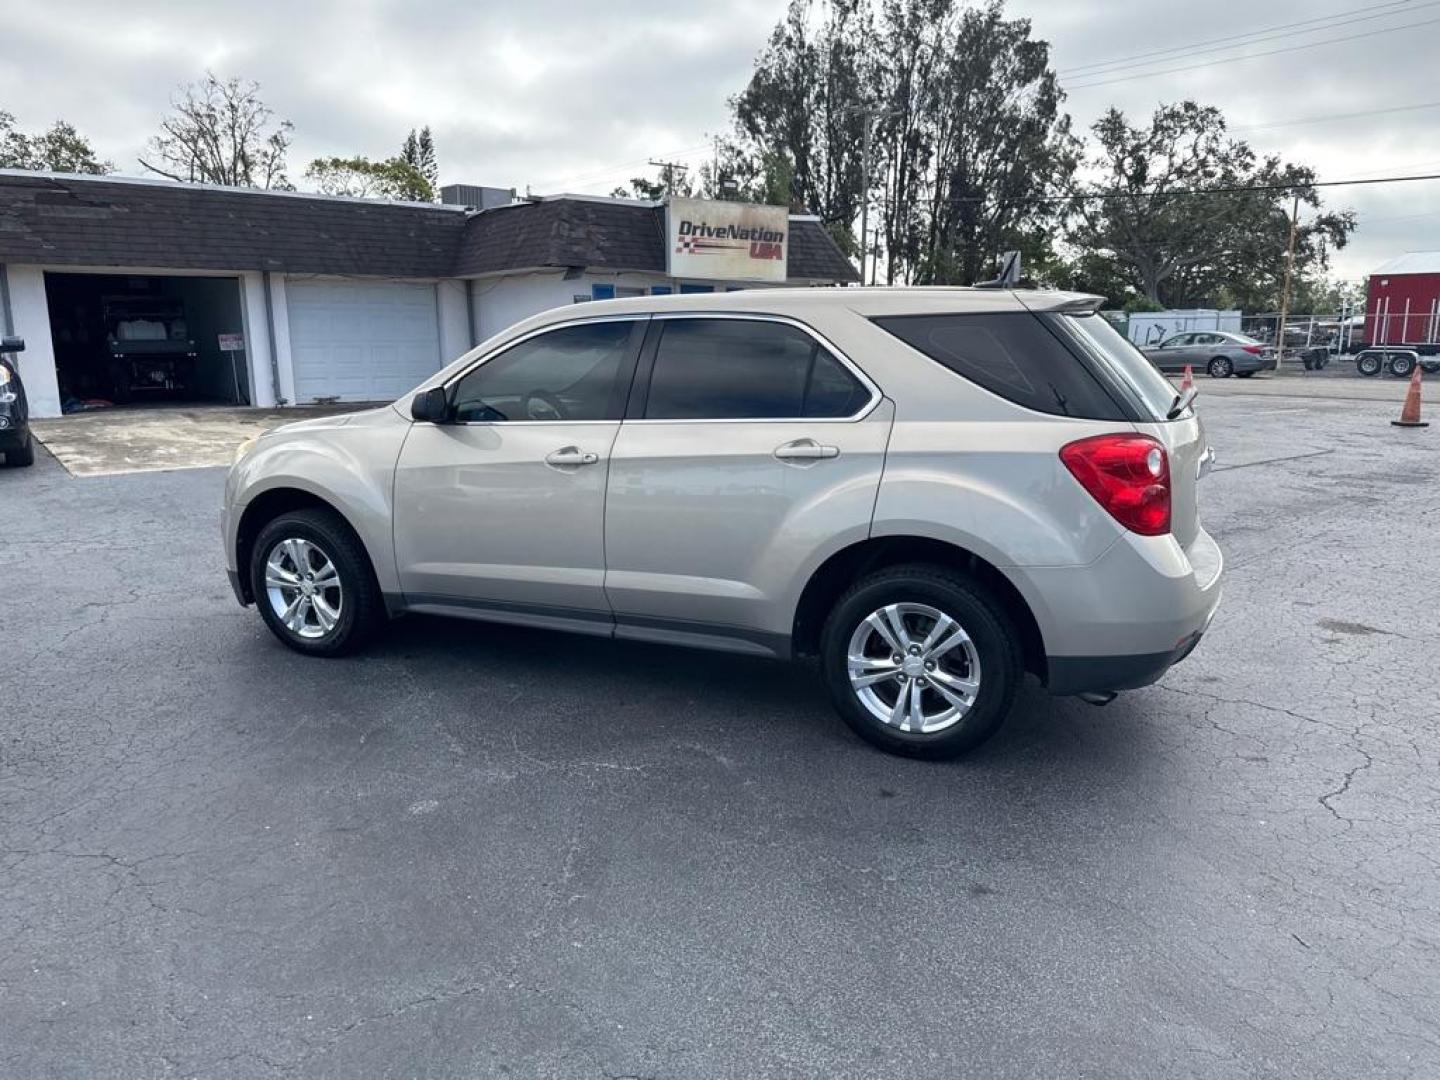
[562,95]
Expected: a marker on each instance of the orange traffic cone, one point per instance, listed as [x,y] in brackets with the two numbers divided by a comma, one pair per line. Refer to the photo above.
[1188,382]
[1410,414]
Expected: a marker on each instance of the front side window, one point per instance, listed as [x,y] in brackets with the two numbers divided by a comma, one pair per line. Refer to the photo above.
[1176,341]
[572,373]
[737,369]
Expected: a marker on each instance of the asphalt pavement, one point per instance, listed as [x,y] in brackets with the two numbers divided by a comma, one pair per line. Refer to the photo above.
[482,851]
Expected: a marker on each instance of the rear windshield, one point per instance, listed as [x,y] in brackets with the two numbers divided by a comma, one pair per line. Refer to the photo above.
[1012,354]
[1134,376]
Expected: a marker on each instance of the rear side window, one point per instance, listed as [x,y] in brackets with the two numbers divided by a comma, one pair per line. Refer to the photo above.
[1012,354]
[738,369]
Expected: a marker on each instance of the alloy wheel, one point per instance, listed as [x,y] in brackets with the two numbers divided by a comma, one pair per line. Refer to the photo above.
[913,668]
[303,588]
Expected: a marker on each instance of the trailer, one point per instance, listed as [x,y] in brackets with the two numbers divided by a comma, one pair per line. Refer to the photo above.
[1401,319]
[1397,360]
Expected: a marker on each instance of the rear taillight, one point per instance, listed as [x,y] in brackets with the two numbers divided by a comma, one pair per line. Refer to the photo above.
[1129,475]
[1254,350]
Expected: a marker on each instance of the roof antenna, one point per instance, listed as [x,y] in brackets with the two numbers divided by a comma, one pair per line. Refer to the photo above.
[1009,275]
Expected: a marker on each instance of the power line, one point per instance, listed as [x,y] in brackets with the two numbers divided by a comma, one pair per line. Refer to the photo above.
[668,170]
[605,173]
[1339,18]
[1255,56]
[1337,116]
[1242,189]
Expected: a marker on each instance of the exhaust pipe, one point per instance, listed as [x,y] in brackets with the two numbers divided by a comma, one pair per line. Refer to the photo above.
[1098,697]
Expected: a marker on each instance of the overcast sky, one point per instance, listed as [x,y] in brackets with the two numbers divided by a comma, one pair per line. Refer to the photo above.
[569,96]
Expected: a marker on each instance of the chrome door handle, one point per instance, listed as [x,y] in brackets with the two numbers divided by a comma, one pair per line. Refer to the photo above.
[570,456]
[806,450]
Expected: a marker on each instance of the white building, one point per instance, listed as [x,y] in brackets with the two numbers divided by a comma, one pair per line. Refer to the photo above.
[138,290]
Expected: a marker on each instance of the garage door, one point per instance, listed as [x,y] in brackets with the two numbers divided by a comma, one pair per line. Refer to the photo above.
[361,341]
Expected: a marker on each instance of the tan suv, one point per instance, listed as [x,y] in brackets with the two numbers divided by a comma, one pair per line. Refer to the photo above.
[933,490]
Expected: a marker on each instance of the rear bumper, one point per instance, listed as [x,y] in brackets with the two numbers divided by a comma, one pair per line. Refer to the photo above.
[1247,362]
[1099,674]
[1123,621]
[14,434]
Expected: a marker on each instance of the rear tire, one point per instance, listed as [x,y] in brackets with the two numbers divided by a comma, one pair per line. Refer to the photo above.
[965,689]
[1401,366]
[1369,366]
[18,459]
[1220,368]
[305,605]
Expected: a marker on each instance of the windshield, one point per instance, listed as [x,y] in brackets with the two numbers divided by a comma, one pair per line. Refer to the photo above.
[1151,390]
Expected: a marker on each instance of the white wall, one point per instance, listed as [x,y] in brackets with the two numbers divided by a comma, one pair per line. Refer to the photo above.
[257,335]
[31,315]
[456,336]
[503,301]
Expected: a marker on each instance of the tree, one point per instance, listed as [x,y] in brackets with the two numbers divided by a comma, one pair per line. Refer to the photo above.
[1175,247]
[968,129]
[220,132]
[799,123]
[418,151]
[59,149]
[362,178]
[655,190]
[973,141]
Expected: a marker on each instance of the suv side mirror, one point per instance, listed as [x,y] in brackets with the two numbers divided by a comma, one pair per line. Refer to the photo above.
[9,344]
[430,406]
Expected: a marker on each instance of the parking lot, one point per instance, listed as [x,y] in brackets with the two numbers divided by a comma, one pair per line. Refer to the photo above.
[483,851]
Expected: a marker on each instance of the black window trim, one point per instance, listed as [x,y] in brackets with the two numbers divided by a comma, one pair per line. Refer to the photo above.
[624,377]
[640,392]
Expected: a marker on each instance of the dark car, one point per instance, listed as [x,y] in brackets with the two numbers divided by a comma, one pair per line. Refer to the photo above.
[1219,353]
[16,442]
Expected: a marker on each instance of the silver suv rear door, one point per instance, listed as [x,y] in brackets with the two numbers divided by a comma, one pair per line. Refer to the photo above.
[750,451]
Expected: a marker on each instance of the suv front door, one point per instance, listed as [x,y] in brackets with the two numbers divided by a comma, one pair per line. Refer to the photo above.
[502,507]
[748,448]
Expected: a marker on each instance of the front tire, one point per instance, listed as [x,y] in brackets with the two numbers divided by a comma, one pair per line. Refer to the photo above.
[921,661]
[1369,366]
[25,455]
[314,585]
[1220,368]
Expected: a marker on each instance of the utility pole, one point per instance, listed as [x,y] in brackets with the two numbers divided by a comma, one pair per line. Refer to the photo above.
[871,113]
[1285,289]
[669,168]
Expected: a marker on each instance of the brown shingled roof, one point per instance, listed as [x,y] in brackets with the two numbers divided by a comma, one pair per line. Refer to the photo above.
[82,221]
